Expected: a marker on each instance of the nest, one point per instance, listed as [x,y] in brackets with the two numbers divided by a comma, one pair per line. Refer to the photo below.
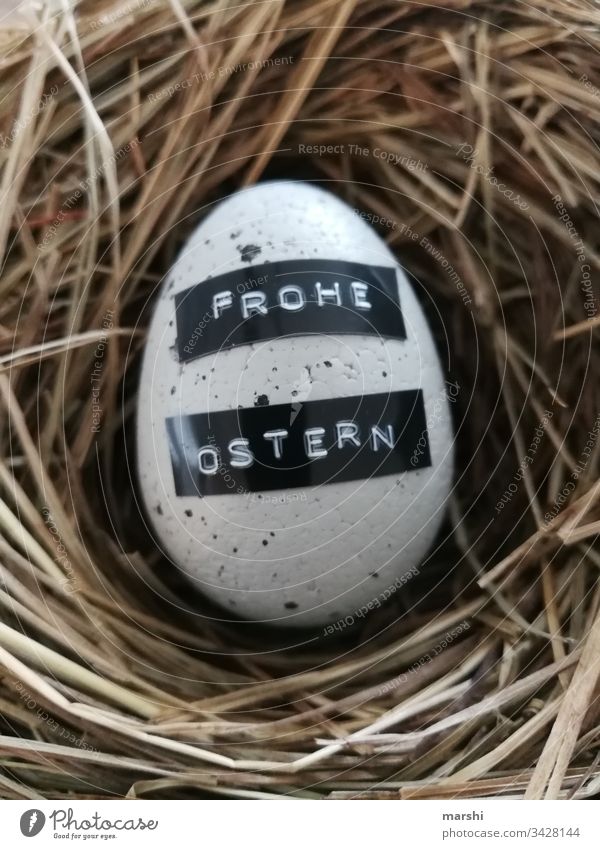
[467,134]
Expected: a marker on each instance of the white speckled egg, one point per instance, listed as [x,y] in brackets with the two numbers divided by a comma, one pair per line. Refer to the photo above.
[294,438]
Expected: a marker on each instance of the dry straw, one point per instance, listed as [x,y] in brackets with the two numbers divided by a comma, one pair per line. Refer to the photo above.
[471,130]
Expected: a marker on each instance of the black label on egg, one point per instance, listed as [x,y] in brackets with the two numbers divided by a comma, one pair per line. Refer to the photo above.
[291,298]
[298,445]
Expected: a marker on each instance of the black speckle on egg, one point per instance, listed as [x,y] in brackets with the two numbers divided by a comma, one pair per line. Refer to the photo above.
[290,605]
[248,252]
[262,401]
[272,533]
[188,513]
[173,390]
[235,234]
[159,510]
[265,541]
[327,364]
[235,551]
[384,373]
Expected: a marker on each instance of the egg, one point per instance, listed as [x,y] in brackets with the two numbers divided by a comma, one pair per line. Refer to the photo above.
[294,437]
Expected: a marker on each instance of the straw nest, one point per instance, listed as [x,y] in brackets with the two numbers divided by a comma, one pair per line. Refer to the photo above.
[120,123]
